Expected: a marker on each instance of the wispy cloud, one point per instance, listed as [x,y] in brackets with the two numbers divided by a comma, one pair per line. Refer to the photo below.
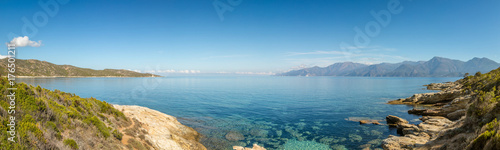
[365,55]
[226,56]
[320,53]
[246,73]
[174,71]
[134,70]
[24,41]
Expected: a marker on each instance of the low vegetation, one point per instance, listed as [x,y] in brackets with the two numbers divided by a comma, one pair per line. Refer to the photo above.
[484,109]
[71,143]
[48,119]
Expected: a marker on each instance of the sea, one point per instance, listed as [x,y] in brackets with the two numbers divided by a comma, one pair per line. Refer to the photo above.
[276,112]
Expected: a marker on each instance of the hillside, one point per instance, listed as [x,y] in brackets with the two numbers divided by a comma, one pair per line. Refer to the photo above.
[462,115]
[435,67]
[46,119]
[32,67]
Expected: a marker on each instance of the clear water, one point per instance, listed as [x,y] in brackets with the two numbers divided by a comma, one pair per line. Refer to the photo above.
[276,112]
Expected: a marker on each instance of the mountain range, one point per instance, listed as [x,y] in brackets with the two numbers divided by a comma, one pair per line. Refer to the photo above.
[435,67]
[37,68]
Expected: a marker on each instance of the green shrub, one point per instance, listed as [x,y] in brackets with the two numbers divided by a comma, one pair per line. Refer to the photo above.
[117,134]
[53,126]
[100,126]
[71,143]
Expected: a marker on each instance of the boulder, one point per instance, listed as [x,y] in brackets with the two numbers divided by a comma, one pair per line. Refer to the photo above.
[394,121]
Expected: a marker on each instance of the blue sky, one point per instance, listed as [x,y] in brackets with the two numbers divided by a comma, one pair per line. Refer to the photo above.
[256,36]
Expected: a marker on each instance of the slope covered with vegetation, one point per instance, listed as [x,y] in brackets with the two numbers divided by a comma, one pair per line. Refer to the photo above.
[32,67]
[48,119]
[483,113]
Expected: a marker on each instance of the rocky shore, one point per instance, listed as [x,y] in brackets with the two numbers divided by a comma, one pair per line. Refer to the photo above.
[446,110]
[160,130]
[461,115]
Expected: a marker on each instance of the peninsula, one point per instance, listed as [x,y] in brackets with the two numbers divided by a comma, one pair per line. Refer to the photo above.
[37,68]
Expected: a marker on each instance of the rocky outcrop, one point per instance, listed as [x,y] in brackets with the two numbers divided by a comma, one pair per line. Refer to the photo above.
[163,131]
[444,106]
[450,92]
[469,121]
[442,86]
[416,135]
[394,121]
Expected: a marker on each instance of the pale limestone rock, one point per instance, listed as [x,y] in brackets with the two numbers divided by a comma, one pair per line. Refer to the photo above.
[163,131]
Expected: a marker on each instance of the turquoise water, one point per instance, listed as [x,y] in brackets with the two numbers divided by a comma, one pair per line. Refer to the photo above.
[276,112]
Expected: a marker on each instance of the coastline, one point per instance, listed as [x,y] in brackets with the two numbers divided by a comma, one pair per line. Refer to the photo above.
[461,115]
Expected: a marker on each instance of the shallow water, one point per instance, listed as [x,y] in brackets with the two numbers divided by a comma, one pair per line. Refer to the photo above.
[276,112]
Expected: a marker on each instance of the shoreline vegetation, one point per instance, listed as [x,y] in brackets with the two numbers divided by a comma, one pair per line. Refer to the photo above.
[59,120]
[461,115]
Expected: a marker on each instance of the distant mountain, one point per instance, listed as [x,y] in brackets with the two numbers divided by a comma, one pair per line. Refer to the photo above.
[435,67]
[338,69]
[32,67]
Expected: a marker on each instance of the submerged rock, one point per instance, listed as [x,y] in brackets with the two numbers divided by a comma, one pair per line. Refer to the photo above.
[259,132]
[355,138]
[304,145]
[255,147]
[234,136]
[363,121]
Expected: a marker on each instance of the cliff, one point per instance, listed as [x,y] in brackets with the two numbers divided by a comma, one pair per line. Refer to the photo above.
[462,115]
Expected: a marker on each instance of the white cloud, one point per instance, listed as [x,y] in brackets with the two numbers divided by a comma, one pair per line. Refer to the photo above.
[174,71]
[255,73]
[365,55]
[134,70]
[24,41]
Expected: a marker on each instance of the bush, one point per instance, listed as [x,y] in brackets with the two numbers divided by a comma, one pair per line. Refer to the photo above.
[117,134]
[71,143]
[100,126]
[136,144]
[52,125]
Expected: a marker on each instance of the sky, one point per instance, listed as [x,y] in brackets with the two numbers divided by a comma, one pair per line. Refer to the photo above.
[247,36]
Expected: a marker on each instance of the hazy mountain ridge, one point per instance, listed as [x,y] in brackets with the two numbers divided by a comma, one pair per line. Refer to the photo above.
[33,67]
[435,67]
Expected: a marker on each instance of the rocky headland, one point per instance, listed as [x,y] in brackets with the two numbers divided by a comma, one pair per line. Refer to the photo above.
[461,115]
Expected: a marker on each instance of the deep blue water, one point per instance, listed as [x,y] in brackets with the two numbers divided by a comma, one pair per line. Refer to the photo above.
[276,112]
